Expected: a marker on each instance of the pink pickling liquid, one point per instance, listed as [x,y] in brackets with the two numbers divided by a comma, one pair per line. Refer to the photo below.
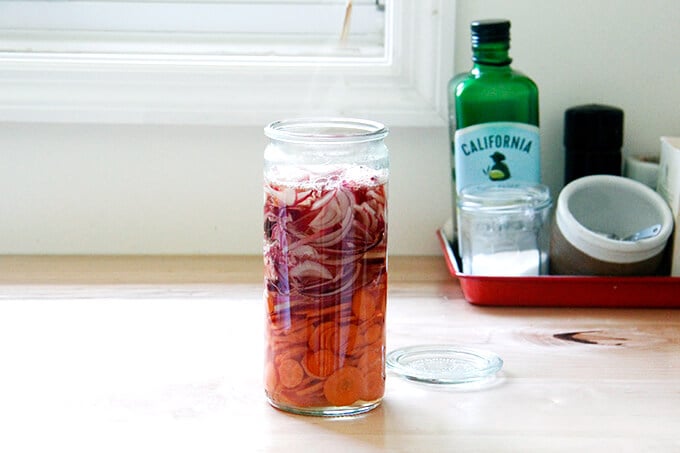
[326,286]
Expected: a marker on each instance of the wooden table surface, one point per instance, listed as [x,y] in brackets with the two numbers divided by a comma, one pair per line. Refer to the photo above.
[164,354]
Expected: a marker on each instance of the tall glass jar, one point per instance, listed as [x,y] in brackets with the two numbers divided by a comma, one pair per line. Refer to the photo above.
[325,256]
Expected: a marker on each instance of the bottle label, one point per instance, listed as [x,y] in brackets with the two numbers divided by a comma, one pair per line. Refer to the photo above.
[496,152]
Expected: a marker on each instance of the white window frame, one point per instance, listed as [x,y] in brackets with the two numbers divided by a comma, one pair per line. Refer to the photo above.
[407,88]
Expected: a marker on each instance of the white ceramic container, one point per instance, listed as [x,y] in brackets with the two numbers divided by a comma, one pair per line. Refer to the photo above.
[592,208]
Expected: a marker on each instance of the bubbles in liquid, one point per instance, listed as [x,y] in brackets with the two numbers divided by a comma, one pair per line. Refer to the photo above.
[323,176]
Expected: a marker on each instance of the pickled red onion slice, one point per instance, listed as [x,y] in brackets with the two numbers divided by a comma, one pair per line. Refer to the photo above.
[316,235]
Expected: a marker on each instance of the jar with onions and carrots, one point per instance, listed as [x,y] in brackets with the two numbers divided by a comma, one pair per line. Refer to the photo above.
[325,257]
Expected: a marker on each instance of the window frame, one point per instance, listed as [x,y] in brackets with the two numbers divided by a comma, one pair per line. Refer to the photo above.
[406,88]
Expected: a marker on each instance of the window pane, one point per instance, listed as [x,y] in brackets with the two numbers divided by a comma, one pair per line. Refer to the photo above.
[396,71]
[228,30]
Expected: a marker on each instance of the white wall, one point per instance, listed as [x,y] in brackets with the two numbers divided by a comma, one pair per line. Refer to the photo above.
[168,189]
[197,189]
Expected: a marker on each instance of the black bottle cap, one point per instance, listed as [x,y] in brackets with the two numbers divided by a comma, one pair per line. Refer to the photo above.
[490,30]
[593,126]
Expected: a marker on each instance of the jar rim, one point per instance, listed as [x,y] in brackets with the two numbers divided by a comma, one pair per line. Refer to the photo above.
[326,130]
[493,198]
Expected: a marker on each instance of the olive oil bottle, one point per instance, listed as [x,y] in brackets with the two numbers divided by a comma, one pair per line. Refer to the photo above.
[493,114]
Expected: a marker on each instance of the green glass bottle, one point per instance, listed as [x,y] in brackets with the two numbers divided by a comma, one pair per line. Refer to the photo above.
[493,114]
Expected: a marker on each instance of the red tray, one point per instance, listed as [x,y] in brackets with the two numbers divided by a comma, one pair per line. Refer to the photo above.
[562,290]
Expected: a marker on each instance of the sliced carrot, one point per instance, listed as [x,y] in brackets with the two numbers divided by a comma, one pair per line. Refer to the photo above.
[307,397]
[292,352]
[321,363]
[372,359]
[281,396]
[330,337]
[378,319]
[327,352]
[290,373]
[343,339]
[319,336]
[343,387]
[271,303]
[373,334]
[297,333]
[270,377]
[335,310]
[314,387]
[364,303]
[277,308]
[373,386]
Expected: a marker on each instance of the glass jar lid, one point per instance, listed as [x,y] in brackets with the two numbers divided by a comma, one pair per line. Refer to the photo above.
[443,364]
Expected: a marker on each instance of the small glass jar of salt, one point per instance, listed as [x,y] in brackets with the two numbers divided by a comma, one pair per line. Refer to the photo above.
[504,229]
